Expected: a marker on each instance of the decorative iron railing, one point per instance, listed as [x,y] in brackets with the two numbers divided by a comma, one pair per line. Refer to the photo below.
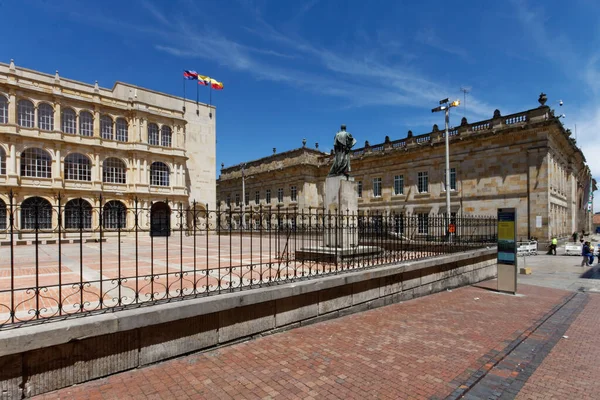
[71,258]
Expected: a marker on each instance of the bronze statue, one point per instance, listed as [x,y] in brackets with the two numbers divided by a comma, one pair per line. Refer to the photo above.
[342,144]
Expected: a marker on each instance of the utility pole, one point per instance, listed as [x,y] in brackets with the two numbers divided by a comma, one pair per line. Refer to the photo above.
[465,90]
[445,106]
[243,197]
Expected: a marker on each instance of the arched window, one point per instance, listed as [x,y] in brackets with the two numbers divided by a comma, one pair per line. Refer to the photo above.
[3,110]
[36,213]
[122,134]
[78,167]
[86,124]
[2,215]
[78,214]
[46,117]
[36,163]
[114,215]
[68,121]
[159,174]
[165,136]
[106,127]
[113,171]
[153,134]
[2,161]
[26,113]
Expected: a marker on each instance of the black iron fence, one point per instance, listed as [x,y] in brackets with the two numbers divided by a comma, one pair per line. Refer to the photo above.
[72,258]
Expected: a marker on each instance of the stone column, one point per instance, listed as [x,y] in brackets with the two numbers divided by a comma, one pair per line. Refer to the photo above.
[12,160]
[144,131]
[98,176]
[57,115]
[12,108]
[144,179]
[96,121]
[182,176]
[57,173]
[138,171]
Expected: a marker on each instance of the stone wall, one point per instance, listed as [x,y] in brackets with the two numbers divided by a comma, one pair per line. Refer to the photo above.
[42,358]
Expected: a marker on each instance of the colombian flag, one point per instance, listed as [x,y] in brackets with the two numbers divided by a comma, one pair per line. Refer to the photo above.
[216,84]
[203,80]
[191,75]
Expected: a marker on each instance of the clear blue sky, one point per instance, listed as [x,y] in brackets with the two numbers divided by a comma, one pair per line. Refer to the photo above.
[299,69]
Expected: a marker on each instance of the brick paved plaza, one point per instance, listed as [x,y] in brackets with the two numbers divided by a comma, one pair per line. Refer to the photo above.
[469,342]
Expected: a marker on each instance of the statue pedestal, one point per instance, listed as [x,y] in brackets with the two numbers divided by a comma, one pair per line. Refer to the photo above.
[341,206]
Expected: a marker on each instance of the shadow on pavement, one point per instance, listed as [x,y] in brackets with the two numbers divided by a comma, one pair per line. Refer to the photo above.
[592,273]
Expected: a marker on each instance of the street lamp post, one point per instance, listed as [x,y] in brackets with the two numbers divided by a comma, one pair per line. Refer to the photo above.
[243,197]
[445,106]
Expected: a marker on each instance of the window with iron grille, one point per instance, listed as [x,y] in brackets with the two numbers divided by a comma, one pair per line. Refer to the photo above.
[36,213]
[78,214]
[36,163]
[122,133]
[153,134]
[114,215]
[3,110]
[165,136]
[377,187]
[106,127]
[423,223]
[228,200]
[247,198]
[86,124]
[398,184]
[68,120]
[26,113]
[46,117]
[293,193]
[113,171]
[452,179]
[423,182]
[280,195]
[78,167]
[359,188]
[237,199]
[3,225]
[268,196]
[257,197]
[159,174]
[2,161]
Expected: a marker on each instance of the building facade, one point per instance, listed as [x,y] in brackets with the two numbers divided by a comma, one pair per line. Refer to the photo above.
[81,149]
[525,160]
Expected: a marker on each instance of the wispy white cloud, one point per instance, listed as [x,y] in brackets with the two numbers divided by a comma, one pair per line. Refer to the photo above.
[155,12]
[428,36]
[359,79]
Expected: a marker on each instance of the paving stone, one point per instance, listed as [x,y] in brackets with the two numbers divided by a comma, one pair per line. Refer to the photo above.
[422,348]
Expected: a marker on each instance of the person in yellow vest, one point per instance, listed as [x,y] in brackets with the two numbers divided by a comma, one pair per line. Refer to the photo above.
[553,245]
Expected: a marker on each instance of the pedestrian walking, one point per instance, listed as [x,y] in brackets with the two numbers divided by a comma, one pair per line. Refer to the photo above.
[585,252]
[553,245]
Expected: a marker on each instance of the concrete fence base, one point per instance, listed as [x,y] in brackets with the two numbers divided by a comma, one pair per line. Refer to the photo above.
[41,358]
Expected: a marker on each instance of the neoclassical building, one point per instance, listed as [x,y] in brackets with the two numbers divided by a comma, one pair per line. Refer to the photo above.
[79,148]
[526,160]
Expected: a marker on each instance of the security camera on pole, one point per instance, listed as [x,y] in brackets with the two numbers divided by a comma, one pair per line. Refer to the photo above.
[445,106]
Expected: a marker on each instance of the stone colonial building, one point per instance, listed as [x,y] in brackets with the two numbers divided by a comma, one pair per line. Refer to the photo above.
[525,160]
[88,148]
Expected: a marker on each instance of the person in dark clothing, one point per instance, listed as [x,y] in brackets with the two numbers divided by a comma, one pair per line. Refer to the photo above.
[585,252]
